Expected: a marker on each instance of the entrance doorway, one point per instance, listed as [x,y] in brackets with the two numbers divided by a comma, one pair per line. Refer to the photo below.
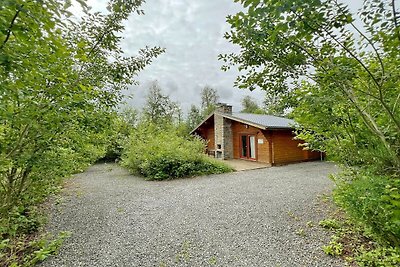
[248,146]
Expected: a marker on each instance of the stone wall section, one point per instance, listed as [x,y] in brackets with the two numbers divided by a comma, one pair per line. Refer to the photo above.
[223,132]
[218,131]
[227,139]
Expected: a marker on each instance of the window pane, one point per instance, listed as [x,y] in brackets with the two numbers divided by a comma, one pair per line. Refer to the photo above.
[252,149]
[244,146]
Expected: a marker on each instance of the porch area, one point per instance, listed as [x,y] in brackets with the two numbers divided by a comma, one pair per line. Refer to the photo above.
[244,165]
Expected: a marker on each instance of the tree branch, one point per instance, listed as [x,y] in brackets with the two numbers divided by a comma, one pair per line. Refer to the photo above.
[9,30]
[367,118]
[368,40]
[395,103]
[340,44]
[395,19]
[19,143]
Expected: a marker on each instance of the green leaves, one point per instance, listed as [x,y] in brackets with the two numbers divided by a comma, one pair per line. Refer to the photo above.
[159,152]
[58,92]
[340,85]
[159,108]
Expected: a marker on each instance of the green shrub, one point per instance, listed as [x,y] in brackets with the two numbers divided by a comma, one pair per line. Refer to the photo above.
[122,123]
[329,224]
[358,247]
[160,153]
[20,221]
[26,251]
[374,201]
[334,248]
[380,257]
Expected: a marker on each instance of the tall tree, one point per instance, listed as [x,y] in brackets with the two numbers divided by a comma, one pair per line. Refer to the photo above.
[277,103]
[194,117]
[60,80]
[249,105]
[209,100]
[159,108]
[283,41]
[344,82]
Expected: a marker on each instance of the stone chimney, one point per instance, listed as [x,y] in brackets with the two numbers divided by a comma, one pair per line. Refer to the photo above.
[223,132]
[224,108]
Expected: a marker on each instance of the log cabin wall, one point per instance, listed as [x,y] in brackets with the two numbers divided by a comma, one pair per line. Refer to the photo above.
[286,149]
[206,131]
[210,136]
[262,144]
[273,147]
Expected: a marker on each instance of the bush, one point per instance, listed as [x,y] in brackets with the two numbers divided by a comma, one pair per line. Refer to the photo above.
[374,201]
[382,257]
[356,246]
[329,224]
[160,153]
[122,124]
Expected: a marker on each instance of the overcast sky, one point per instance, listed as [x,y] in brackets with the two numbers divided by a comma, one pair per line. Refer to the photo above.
[192,33]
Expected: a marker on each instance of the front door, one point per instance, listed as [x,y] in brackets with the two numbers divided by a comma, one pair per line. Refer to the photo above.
[248,147]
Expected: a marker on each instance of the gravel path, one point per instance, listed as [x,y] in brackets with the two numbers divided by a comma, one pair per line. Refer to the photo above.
[252,218]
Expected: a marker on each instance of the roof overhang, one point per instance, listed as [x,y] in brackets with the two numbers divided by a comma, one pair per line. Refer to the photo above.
[201,123]
[262,127]
[256,125]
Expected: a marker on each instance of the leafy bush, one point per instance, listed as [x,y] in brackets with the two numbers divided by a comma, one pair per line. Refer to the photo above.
[381,257]
[334,248]
[329,224]
[29,250]
[160,153]
[373,201]
[122,124]
[356,246]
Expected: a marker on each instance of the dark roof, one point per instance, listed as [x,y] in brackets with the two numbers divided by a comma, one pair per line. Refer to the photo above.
[261,121]
[267,121]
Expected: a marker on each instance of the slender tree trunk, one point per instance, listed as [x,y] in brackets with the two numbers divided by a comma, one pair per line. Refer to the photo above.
[391,114]
[373,126]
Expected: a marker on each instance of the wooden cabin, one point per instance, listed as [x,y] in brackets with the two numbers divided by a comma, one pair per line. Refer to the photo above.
[255,137]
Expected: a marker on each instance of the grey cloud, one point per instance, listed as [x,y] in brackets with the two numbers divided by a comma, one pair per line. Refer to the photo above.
[192,33]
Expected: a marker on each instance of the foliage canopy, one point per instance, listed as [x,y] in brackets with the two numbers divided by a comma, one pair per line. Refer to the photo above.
[60,80]
[160,152]
[339,74]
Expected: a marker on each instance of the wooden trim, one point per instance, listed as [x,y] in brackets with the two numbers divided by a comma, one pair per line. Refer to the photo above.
[271,149]
[201,123]
[255,147]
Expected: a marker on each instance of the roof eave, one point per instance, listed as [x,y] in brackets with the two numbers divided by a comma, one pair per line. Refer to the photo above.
[280,128]
[201,123]
[262,127]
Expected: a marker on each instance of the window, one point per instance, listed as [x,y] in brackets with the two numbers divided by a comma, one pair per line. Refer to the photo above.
[248,146]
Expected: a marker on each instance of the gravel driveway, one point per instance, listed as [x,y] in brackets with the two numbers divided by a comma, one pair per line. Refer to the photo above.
[252,218]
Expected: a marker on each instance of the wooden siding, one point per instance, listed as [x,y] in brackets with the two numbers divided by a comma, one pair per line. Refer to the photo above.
[211,138]
[262,150]
[286,149]
[207,133]
[277,146]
